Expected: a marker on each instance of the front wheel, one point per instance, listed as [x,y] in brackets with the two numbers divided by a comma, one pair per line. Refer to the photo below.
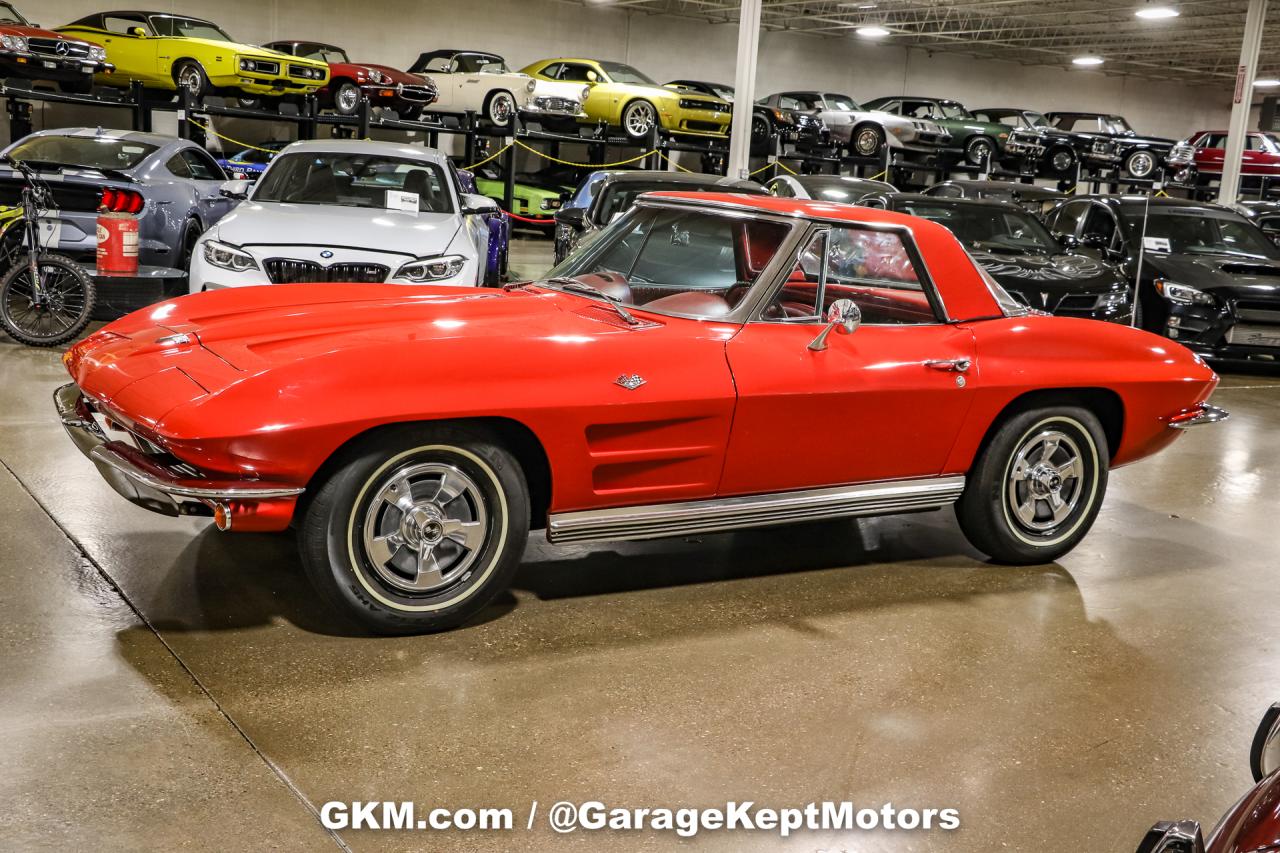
[1140,164]
[77,87]
[419,529]
[867,140]
[1062,162]
[1036,489]
[190,76]
[499,108]
[638,119]
[346,98]
[53,313]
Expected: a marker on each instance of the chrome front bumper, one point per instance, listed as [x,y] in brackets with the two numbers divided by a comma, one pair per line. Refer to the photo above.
[143,481]
[1199,416]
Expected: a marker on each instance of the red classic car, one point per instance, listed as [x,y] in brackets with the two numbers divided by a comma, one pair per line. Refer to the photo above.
[1252,825]
[708,362]
[383,85]
[1261,153]
[30,53]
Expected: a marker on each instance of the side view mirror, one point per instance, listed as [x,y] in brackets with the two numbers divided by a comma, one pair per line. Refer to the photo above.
[574,217]
[1169,837]
[592,78]
[844,316]
[234,189]
[140,32]
[1264,757]
[475,205]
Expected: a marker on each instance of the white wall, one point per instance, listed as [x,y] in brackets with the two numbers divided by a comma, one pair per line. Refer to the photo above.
[395,31]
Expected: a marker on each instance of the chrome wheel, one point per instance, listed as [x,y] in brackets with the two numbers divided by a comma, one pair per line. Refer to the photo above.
[639,119]
[347,98]
[980,152]
[424,527]
[867,142]
[191,78]
[501,108]
[1045,481]
[1062,160]
[1141,164]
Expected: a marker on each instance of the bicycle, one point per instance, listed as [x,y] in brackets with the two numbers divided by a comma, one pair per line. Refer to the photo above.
[46,299]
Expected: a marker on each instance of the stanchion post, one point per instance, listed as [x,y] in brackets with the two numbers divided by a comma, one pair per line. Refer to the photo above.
[141,113]
[469,140]
[509,178]
[364,114]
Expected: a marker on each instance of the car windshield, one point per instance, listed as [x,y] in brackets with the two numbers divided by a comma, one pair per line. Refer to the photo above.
[1200,231]
[356,180]
[987,229]
[618,197]
[842,102]
[953,109]
[1035,119]
[479,63]
[681,261]
[724,93]
[835,188]
[10,15]
[324,53]
[88,152]
[191,28]
[620,73]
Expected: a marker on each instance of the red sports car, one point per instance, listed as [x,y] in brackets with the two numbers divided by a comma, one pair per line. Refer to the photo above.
[708,362]
[383,85]
[1261,153]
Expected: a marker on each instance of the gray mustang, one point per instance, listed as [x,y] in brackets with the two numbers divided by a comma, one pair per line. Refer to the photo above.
[178,182]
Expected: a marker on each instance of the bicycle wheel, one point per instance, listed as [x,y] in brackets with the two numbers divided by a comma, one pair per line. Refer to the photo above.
[58,314]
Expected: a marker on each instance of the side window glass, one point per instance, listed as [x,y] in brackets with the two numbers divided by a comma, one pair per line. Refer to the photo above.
[122,24]
[177,166]
[1065,220]
[800,295]
[202,167]
[553,70]
[574,73]
[1101,226]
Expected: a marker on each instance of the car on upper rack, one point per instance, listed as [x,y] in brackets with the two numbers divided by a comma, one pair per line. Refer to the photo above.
[604,195]
[864,131]
[1206,276]
[1055,152]
[803,131]
[1264,214]
[977,142]
[382,85]
[248,163]
[654,384]
[28,52]
[1033,266]
[1259,162]
[480,82]
[1036,199]
[353,211]
[172,185]
[626,98]
[1138,156]
[1252,825]
[167,52]
[841,188]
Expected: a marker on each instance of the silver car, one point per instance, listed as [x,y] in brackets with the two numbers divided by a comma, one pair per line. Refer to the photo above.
[864,132]
[172,184]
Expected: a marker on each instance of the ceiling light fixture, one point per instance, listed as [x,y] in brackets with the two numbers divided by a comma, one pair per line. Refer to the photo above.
[872,31]
[1156,13]
[1266,83]
[1087,60]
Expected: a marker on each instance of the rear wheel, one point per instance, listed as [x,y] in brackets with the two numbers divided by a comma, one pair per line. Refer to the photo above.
[55,312]
[980,151]
[419,529]
[1036,489]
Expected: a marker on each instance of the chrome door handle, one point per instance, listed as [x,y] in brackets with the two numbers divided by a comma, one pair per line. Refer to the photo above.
[955,365]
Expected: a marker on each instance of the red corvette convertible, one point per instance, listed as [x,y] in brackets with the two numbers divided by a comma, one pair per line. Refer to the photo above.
[709,362]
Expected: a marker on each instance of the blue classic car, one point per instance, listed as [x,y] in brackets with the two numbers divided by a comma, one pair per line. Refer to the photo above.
[249,163]
[173,184]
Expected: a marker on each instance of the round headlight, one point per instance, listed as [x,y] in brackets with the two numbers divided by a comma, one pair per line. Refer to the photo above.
[246,65]
[586,93]
[531,85]
[377,76]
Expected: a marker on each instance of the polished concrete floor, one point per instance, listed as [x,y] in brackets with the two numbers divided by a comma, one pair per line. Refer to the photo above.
[166,686]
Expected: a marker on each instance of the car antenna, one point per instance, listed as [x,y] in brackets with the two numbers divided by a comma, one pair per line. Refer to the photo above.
[1142,253]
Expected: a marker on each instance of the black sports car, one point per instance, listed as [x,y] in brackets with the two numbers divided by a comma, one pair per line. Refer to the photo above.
[840,188]
[1264,214]
[1035,199]
[1140,156]
[1207,276]
[1056,150]
[1020,253]
[803,130]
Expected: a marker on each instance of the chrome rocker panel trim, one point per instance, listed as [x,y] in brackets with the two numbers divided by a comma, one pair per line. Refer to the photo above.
[144,483]
[1206,415]
[720,514]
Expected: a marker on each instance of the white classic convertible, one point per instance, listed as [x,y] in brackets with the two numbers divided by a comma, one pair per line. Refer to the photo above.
[481,82]
[351,211]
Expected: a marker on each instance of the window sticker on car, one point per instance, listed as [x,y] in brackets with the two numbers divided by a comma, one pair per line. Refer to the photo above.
[1155,244]
[401,200]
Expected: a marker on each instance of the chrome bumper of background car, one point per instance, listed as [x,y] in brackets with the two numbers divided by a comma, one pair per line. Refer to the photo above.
[141,480]
[1198,416]
[721,514]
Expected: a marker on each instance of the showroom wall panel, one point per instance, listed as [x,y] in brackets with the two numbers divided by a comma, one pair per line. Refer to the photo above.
[395,31]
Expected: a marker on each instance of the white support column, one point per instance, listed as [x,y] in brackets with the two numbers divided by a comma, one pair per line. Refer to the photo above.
[1229,188]
[744,89]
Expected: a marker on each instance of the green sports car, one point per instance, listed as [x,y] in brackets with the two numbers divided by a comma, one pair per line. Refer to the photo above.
[980,141]
[531,200]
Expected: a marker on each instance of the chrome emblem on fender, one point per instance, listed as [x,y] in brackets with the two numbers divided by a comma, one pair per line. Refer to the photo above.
[631,383]
[174,340]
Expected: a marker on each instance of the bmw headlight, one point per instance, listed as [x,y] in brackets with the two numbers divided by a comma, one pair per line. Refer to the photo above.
[97,53]
[431,269]
[228,257]
[14,42]
[1182,294]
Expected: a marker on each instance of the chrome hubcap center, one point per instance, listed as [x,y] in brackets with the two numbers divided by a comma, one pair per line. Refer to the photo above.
[1044,481]
[422,526]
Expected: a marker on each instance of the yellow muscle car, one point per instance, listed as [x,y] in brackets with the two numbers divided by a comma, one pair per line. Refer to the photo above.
[628,99]
[169,52]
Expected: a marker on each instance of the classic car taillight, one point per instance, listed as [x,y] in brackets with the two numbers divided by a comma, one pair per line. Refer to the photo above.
[120,201]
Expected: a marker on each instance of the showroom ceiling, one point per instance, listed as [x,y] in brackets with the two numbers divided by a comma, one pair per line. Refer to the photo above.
[1202,44]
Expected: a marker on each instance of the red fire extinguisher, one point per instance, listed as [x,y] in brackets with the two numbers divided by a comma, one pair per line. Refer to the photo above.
[118,231]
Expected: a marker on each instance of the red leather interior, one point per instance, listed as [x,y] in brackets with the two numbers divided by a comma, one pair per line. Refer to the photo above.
[612,284]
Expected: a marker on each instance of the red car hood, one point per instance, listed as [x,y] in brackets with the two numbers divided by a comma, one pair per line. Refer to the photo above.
[36,32]
[1253,824]
[352,69]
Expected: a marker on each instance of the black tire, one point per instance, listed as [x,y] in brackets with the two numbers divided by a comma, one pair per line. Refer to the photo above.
[249,102]
[867,140]
[187,244]
[353,503]
[346,98]
[188,74]
[988,509]
[1060,162]
[71,294]
[409,112]
[77,87]
[499,108]
[761,131]
[637,118]
[981,151]
[1141,163]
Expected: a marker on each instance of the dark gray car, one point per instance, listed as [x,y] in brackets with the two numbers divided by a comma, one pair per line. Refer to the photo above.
[178,180]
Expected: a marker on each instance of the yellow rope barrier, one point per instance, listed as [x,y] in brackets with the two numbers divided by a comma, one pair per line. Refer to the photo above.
[634,159]
[492,156]
[208,129]
[674,163]
[879,176]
